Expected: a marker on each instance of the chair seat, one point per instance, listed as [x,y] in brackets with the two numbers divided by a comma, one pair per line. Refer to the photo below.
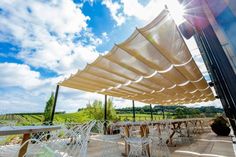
[9,150]
[111,137]
[138,140]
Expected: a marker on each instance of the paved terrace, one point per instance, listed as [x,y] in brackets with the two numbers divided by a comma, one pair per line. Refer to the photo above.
[205,145]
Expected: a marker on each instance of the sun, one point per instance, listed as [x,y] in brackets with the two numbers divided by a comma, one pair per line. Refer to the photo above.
[176,10]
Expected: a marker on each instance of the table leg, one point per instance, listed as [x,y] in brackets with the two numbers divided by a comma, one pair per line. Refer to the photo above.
[195,124]
[127,147]
[170,140]
[148,150]
[186,125]
[201,124]
[159,129]
[144,131]
[23,149]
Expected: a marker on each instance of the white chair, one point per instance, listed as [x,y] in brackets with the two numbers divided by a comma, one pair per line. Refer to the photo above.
[37,149]
[109,146]
[7,149]
[182,134]
[138,146]
[99,127]
[82,137]
[159,139]
[62,143]
[192,130]
[137,139]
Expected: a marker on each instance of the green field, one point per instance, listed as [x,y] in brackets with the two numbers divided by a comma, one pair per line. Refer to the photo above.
[139,117]
[76,117]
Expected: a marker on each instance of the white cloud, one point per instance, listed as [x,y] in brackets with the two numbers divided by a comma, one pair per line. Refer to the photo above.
[123,9]
[50,33]
[35,91]
[21,101]
[21,75]
[114,8]
[146,13]
[105,36]
[23,90]
[215,103]
[122,103]
[71,100]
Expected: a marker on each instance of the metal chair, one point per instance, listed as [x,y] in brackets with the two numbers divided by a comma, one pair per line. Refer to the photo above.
[138,146]
[62,143]
[159,146]
[137,140]
[109,146]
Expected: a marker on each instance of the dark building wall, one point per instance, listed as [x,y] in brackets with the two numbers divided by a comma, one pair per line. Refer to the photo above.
[222,16]
[213,25]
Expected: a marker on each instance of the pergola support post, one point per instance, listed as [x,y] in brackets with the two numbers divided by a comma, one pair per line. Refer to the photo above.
[105,115]
[163,112]
[133,111]
[54,105]
[151,112]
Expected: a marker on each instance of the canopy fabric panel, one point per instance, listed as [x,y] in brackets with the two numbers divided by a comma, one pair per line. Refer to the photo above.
[152,66]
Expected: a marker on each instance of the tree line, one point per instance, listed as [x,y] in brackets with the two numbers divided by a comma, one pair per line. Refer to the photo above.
[177,111]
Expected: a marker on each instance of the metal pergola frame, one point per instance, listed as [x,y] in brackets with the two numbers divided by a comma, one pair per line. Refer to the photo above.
[203,43]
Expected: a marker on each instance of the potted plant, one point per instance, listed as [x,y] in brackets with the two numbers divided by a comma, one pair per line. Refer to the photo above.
[220,126]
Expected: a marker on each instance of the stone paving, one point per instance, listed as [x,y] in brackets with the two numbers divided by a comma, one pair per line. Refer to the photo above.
[205,145]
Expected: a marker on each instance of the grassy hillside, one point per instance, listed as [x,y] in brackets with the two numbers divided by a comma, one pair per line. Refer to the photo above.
[71,117]
[26,119]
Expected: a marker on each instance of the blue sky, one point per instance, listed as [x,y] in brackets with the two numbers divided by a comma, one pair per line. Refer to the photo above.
[43,41]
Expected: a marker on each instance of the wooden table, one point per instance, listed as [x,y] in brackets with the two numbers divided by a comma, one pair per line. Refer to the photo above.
[26,131]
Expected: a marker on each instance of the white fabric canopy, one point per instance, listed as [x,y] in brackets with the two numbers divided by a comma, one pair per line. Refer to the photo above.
[152,66]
